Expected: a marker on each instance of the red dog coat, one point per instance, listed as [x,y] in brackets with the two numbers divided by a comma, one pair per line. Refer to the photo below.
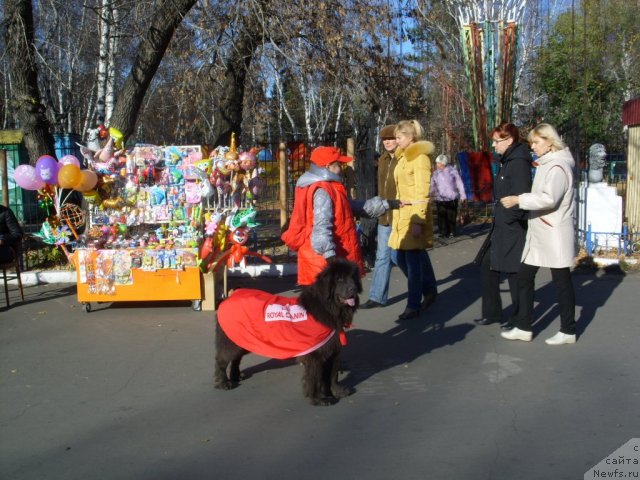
[271,325]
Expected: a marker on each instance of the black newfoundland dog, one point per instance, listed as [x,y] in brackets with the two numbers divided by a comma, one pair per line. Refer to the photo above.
[309,328]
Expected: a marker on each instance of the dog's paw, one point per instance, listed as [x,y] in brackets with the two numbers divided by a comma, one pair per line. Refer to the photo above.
[323,401]
[228,385]
[341,391]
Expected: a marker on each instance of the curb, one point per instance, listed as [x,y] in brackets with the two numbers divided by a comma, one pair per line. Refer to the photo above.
[605,262]
[269,270]
[30,279]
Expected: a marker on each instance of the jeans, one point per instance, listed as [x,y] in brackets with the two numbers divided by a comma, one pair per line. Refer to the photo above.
[416,266]
[561,277]
[379,288]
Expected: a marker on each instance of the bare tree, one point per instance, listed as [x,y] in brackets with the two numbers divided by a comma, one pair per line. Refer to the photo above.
[19,41]
[166,19]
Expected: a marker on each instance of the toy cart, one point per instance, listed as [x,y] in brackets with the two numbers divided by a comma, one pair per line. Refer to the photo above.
[143,230]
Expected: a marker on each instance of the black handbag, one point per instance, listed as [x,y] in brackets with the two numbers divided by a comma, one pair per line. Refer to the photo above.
[484,248]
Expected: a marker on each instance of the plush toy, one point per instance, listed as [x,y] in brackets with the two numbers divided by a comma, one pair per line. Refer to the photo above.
[93,139]
[238,251]
[212,246]
[245,217]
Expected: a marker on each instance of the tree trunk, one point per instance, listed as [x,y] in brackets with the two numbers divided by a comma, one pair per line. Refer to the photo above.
[104,24]
[229,103]
[166,19]
[114,45]
[19,41]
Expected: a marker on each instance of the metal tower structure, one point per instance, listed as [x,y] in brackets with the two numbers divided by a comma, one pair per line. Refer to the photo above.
[489,37]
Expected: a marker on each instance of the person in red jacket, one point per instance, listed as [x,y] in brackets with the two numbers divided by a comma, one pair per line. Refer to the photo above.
[322,225]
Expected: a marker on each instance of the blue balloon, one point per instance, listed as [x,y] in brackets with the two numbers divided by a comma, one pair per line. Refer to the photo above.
[264,156]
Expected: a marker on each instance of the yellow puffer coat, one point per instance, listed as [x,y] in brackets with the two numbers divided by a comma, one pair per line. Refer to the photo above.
[413,179]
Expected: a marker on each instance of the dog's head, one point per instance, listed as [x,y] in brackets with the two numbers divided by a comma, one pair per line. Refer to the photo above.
[339,283]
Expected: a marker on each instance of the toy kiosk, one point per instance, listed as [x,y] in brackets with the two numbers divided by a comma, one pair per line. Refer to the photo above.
[163,220]
[144,228]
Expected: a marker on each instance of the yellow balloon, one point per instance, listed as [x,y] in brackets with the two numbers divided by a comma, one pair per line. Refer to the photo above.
[69,176]
[118,137]
[87,182]
[92,197]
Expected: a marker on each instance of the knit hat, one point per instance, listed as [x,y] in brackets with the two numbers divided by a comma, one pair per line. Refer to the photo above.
[443,159]
[323,156]
[388,132]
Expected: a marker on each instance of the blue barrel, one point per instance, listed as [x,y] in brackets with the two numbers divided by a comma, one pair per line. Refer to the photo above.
[67,144]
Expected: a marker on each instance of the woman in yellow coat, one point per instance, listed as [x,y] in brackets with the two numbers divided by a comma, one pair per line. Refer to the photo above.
[412,225]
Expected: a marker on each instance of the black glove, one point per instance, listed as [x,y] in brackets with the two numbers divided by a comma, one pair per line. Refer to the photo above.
[393,204]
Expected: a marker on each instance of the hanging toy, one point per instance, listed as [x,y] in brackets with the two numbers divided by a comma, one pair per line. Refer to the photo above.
[245,217]
[247,160]
[257,183]
[106,152]
[45,201]
[232,154]
[238,251]
[211,246]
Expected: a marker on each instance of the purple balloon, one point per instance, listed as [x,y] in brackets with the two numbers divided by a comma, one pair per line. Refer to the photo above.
[25,176]
[47,169]
[69,160]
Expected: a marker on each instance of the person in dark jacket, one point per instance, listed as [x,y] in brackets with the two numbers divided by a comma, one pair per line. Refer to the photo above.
[10,234]
[501,251]
[379,289]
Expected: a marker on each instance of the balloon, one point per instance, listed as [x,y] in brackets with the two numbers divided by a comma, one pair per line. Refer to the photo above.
[117,136]
[92,197]
[87,182]
[25,176]
[106,152]
[69,176]
[247,160]
[70,160]
[265,156]
[47,169]
[256,185]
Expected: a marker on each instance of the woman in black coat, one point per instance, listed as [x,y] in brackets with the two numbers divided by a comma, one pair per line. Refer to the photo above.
[502,249]
[10,234]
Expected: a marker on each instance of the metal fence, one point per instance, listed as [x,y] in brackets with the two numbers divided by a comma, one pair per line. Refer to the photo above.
[266,237]
[625,243]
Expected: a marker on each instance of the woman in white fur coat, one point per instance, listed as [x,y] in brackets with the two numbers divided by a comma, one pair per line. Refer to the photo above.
[550,238]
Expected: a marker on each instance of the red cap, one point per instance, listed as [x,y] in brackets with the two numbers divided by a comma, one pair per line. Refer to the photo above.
[323,156]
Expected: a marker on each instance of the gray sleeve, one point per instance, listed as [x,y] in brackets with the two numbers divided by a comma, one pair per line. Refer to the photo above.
[371,208]
[322,232]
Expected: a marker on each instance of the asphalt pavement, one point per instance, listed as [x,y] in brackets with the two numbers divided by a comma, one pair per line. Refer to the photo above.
[125,391]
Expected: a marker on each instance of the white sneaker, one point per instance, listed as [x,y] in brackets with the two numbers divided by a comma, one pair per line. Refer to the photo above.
[517,334]
[560,339]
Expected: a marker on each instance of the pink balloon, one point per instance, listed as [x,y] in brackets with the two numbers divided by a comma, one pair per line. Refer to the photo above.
[47,169]
[69,160]
[25,176]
